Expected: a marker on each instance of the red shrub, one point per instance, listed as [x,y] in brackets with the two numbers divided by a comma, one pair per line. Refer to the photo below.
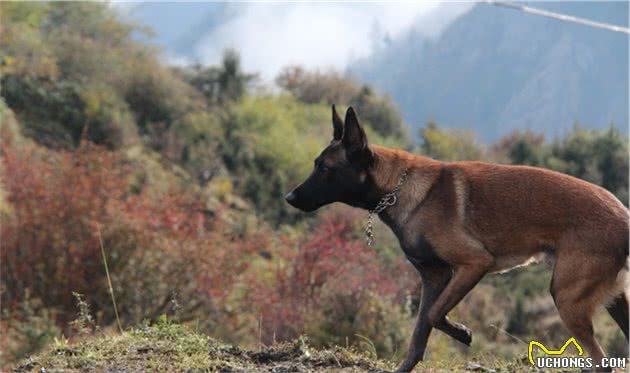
[161,244]
[157,245]
[328,261]
[49,241]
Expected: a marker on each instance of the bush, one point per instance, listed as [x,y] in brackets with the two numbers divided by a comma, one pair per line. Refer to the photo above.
[329,88]
[449,144]
[157,244]
[220,84]
[600,157]
[376,111]
[269,146]
[56,200]
[26,328]
[524,148]
[331,287]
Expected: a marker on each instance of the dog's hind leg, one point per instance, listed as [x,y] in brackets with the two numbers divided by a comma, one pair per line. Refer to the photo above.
[618,309]
[577,295]
[434,280]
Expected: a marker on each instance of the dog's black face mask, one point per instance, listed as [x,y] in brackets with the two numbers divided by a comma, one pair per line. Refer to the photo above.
[340,171]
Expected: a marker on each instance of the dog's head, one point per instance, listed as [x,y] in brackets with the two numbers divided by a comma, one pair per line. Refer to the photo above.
[340,173]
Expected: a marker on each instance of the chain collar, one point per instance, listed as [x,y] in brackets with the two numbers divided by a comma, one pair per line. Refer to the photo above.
[388,199]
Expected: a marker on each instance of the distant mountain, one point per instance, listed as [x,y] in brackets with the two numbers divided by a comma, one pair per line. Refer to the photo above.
[494,70]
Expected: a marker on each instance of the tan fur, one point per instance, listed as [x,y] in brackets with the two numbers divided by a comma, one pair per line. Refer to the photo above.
[461,194]
[480,218]
[457,222]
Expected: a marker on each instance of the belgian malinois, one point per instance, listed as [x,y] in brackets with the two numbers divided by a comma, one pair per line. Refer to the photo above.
[458,221]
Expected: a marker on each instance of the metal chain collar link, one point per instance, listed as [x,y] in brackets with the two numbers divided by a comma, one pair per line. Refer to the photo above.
[388,199]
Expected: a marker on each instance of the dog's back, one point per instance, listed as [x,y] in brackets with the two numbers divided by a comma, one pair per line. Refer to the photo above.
[528,209]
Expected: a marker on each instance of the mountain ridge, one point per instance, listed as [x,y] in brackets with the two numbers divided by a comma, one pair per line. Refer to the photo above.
[504,70]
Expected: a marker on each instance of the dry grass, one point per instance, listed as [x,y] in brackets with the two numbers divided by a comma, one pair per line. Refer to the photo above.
[172,347]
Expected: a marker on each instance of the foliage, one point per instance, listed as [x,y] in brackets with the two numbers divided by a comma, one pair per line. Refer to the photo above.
[380,114]
[316,87]
[449,144]
[269,145]
[220,84]
[84,323]
[156,244]
[600,157]
[88,77]
[525,148]
[26,329]
[59,113]
[330,287]
[376,111]
[40,247]
[181,173]
[257,150]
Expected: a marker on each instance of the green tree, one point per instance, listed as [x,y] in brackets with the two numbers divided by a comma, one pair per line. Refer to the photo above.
[600,157]
[220,84]
[269,146]
[449,144]
[380,113]
[376,111]
[524,148]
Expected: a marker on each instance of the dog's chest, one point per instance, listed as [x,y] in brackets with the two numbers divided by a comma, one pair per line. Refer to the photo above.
[419,251]
[412,240]
[413,243]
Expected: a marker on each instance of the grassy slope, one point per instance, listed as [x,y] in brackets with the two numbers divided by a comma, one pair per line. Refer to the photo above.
[171,347]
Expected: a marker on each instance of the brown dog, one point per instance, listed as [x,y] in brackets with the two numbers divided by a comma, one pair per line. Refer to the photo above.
[458,221]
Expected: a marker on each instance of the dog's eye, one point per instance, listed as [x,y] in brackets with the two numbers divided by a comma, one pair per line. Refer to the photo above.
[321,167]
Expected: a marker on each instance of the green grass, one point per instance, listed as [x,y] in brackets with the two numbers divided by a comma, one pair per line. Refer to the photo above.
[169,347]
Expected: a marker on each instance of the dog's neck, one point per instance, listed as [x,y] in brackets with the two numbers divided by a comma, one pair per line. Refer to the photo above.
[389,165]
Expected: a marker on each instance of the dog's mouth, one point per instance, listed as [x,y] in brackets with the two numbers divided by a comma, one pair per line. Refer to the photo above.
[294,201]
[307,209]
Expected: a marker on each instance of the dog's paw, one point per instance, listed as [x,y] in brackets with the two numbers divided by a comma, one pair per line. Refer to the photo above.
[463,334]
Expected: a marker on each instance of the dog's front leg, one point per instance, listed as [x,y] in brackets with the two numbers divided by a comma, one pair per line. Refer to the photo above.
[465,277]
[434,280]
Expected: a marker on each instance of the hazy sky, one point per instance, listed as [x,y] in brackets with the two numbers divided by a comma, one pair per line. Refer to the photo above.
[270,36]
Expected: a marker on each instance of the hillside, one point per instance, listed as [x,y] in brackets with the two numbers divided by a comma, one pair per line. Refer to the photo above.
[491,70]
[171,347]
[165,187]
[494,70]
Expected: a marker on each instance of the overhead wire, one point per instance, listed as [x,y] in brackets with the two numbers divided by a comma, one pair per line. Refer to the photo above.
[559,16]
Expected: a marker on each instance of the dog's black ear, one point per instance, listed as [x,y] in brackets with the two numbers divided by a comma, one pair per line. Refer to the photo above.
[354,139]
[337,125]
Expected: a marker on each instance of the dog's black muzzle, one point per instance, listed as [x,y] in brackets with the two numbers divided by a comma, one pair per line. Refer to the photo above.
[295,199]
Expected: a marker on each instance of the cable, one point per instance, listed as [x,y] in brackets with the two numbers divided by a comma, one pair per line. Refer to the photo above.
[559,16]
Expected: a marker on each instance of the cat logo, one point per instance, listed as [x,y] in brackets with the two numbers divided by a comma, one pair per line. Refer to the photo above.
[552,352]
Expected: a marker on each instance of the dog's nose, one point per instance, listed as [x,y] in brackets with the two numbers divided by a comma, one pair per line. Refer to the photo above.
[290,197]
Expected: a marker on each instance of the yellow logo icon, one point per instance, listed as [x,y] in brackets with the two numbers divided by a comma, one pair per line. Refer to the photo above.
[552,352]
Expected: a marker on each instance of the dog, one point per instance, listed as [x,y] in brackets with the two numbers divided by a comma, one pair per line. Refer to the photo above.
[458,221]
